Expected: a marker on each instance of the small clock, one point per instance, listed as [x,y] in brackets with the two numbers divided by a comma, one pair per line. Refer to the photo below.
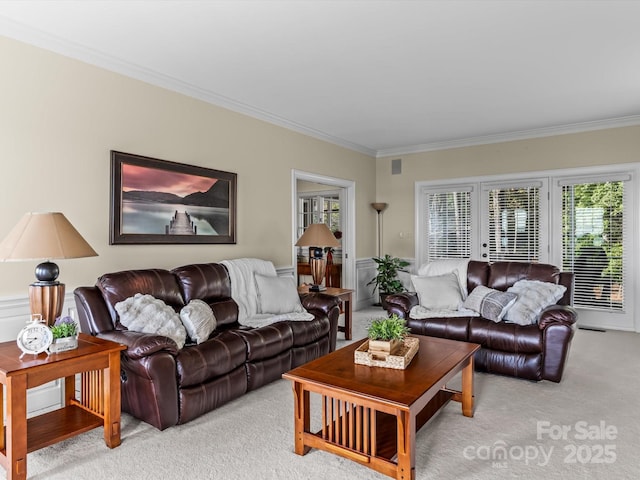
[36,337]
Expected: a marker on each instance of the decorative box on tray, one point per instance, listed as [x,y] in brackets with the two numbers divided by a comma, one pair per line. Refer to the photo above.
[398,360]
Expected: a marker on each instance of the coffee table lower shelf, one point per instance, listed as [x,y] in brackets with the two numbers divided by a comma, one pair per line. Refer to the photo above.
[366,435]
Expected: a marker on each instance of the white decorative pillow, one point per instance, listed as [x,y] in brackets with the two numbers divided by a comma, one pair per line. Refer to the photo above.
[438,292]
[147,314]
[491,304]
[533,297]
[198,320]
[440,266]
[277,295]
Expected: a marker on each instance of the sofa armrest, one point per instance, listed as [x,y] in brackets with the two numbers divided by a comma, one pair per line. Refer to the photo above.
[557,314]
[322,305]
[319,301]
[400,303]
[141,345]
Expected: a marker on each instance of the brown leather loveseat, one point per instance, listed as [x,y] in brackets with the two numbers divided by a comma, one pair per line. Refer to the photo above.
[534,352]
[164,385]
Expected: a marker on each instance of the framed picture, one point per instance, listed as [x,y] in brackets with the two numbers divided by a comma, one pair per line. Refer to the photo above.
[157,201]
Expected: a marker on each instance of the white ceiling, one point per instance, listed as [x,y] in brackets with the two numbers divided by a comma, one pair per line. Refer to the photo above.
[380,77]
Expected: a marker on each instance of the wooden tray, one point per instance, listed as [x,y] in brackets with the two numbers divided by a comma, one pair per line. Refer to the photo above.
[400,361]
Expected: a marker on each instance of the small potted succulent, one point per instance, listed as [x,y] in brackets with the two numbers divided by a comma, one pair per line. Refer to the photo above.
[386,335]
[65,334]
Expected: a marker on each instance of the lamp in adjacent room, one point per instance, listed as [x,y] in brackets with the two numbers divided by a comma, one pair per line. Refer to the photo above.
[379,207]
[45,236]
[317,236]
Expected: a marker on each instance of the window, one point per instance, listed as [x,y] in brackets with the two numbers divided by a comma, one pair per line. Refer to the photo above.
[513,220]
[323,207]
[593,242]
[449,224]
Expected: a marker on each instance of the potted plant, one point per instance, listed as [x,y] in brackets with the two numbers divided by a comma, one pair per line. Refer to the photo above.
[386,335]
[65,334]
[387,281]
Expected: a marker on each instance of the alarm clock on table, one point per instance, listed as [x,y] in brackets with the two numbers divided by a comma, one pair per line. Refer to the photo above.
[36,337]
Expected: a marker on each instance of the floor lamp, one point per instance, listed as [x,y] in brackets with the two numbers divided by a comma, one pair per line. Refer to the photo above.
[317,236]
[379,207]
[45,236]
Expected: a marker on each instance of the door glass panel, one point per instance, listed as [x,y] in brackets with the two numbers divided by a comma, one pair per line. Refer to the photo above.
[513,219]
[593,227]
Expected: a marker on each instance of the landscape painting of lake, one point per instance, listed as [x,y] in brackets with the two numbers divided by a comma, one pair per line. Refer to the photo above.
[166,202]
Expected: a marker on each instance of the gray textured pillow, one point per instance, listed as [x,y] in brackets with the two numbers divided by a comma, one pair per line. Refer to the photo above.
[147,314]
[277,295]
[533,297]
[198,320]
[438,292]
[491,304]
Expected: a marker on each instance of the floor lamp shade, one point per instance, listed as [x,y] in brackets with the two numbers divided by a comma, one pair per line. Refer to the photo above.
[317,235]
[45,236]
[379,207]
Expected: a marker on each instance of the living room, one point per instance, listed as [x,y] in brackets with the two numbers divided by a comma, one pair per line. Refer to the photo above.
[62,116]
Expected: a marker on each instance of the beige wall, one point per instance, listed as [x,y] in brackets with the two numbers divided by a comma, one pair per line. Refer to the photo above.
[60,118]
[603,147]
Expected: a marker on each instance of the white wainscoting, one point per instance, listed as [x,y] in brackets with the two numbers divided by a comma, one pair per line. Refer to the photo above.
[14,313]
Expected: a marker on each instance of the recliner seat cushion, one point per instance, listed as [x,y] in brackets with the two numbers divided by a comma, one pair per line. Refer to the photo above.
[505,337]
[268,341]
[217,356]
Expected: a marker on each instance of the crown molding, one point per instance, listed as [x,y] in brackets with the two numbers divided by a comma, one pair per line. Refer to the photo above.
[31,36]
[38,38]
[628,121]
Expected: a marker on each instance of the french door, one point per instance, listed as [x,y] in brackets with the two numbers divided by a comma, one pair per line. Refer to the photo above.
[486,221]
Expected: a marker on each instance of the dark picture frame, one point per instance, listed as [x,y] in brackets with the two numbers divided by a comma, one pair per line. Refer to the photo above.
[157,201]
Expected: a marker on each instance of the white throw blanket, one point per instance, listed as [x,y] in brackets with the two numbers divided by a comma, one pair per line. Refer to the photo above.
[244,292]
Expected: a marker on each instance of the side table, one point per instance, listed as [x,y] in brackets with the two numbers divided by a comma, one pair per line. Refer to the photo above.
[98,362]
[345,296]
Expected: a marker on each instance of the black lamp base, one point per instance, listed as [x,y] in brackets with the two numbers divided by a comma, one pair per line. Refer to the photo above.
[317,288]
[46,273]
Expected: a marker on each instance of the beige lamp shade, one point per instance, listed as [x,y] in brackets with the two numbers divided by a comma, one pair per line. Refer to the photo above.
[317,235]
[44,236]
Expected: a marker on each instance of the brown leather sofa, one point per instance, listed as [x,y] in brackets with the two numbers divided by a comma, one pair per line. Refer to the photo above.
[532,352]
[165,386]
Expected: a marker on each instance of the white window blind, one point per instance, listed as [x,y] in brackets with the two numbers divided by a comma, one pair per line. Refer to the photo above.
[593,242]
[448,224]
[513,221]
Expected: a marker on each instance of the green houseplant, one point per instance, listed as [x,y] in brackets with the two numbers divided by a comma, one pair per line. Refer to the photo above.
[65,334]
[386,280]
[386,335]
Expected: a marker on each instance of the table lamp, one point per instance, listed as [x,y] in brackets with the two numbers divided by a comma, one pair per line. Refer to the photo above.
[45,236]
[317,235]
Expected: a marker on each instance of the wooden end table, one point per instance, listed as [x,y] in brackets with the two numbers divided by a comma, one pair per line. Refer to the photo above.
[345,296]
[98,362]
[371,414]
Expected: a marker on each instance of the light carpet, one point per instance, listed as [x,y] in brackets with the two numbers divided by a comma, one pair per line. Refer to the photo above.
[517,431]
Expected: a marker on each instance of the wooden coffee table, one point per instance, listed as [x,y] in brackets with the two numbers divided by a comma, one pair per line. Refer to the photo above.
[371,414]
[98,405]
